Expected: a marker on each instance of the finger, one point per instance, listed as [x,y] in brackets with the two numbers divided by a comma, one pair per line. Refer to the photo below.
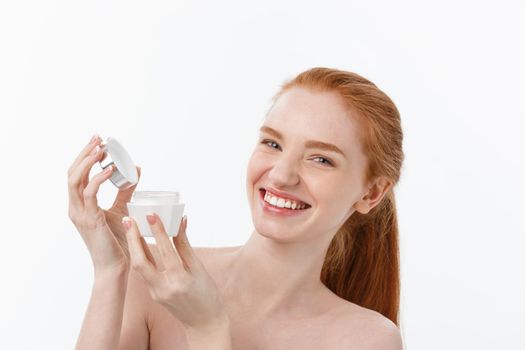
[183,246]
[138,258]
[95,141]
[124,196]
[96,155]
[75,199]
[79,175]
[166,250]
[75,181]
[90,192]
[147,251]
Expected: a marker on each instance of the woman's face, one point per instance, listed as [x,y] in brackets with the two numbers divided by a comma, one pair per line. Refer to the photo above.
[286,160]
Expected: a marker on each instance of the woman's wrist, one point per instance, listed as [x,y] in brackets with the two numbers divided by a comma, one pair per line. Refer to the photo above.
[109,273]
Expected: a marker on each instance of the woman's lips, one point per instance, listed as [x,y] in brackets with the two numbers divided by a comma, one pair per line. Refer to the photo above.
[285,197]
[267,207]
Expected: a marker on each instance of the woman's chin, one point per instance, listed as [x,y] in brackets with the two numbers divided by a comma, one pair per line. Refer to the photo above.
[277,233]
[276,237]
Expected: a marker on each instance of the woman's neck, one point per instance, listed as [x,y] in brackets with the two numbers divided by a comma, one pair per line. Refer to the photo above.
[267,277]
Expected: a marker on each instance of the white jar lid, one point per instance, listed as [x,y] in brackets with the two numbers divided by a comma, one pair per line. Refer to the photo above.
[124,173]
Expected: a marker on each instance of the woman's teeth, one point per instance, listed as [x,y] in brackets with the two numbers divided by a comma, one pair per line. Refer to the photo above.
[283,203]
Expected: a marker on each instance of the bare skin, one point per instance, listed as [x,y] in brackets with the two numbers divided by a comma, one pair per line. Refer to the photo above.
[271,285]
[330,323]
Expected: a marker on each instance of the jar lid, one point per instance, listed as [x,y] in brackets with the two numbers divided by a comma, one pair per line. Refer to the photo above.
[124,173]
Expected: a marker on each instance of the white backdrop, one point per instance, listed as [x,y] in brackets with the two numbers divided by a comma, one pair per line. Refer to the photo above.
[184,86]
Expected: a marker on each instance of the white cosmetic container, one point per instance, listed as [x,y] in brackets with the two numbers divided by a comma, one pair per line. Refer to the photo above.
[164,203]
[124,173]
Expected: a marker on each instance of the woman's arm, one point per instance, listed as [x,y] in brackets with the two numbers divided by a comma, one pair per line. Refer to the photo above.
[183,286]
[103,320]
[108,249]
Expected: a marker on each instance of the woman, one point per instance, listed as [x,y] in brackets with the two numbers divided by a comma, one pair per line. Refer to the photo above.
[321,267]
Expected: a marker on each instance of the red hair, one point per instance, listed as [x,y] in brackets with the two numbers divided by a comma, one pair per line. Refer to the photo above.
[362,261]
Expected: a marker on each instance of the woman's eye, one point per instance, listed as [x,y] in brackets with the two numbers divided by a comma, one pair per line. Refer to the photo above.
[269,142]
[326,161]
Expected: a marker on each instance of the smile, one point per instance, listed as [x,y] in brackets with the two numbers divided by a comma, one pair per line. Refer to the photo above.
[279,205]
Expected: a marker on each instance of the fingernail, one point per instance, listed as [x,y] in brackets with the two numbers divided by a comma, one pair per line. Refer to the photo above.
[94,138]
[151,218]
[108,169]
[126,222]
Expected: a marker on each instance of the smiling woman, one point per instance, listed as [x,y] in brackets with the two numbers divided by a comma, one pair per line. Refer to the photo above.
[320,269]
[333,139]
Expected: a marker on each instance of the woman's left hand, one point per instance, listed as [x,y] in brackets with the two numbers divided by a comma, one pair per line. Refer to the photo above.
[184,287]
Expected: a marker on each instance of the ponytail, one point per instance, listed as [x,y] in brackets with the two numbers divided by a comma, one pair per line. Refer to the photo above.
[362,262]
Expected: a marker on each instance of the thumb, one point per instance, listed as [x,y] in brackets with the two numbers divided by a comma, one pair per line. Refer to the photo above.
[124,196]
[183,246]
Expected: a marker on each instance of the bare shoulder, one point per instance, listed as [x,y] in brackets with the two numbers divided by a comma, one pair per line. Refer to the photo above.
[355,326]
[362,328]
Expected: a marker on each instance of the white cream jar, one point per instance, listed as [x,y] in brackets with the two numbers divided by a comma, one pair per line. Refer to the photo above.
[164,203]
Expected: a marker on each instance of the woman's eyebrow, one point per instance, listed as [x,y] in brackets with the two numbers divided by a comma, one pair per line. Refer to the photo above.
[309,144]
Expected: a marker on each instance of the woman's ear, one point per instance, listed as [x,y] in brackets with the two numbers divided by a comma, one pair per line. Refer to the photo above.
[376,191]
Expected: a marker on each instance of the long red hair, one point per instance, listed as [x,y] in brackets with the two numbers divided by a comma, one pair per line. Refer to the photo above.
[362,261]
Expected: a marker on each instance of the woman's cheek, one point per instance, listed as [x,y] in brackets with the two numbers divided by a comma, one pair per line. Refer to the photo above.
[341,201]
[255,169]
[257,164]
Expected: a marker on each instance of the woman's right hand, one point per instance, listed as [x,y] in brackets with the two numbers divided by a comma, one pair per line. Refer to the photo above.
[106,241]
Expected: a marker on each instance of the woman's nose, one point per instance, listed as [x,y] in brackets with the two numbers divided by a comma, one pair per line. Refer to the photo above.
[283,173]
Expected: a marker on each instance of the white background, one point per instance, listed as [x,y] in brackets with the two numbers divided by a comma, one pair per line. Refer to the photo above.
[184,86]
